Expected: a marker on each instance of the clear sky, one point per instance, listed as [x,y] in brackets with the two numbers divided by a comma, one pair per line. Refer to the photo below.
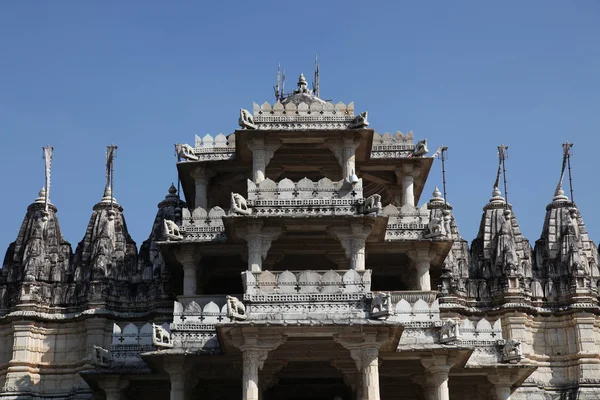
[80,75]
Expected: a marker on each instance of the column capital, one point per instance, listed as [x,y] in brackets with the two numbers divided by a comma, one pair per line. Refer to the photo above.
[202,172]
[503,382]
[421,254]
[112,386]
[187,255]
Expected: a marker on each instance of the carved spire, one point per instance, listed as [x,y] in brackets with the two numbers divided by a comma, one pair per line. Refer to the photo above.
[564,248]
[107,250]
[151,263]
[499,248]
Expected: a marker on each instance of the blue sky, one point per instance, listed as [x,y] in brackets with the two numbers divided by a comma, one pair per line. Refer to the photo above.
[145,75]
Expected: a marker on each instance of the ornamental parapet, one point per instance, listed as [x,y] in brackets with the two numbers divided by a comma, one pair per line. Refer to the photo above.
[194,322]
[410,223]
[306,198]
[303,116]
[208,148]
[396,146]
[202,226]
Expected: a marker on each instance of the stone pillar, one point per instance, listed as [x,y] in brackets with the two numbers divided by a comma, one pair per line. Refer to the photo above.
[201,177]
[95,329]
[177,371]
[253,361]
[113,386]
[421,258]
[437,368]
[349,165]
[259,241]
[353,240]
[502,385]
[262,152]
[344,150]
[408,180]
[189,260]
[367,362]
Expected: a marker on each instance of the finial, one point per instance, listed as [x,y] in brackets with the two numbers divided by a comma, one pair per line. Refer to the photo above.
[48,167]
[316,89]
[111,153]
[41,196]
[301,80]
[172,189]
[436,192]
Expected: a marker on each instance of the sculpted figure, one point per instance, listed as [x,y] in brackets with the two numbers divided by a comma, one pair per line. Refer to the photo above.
[372,204]
[449,331]
[511,350]
[420,149]
[436,227]
[101,357]
[185,152]
[235,308]
[360,121]
[381,306]
[239,205]
[246,121]
[506,255]
[161,337]
[172,231]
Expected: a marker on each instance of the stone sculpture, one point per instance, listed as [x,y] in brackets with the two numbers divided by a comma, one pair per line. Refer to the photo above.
[161,337]
[185,152]
[449,331]
[381,306]
[372,204]
[101,357]
[436,227]
[235,308]
[246,121]
[239,205]
[511,351]
[360,121]
[420,148]
[171,230]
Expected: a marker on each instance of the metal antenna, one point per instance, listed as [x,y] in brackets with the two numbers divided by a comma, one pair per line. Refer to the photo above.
[47,155]
[567,154]
[178,148]
[316,90]
[444,156]
[502,156]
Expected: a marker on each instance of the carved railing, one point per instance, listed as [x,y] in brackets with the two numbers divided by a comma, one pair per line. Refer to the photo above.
[129,341]
[414,306]
[305,285]
[209,148]
[202,226]
[305,197]
[194,322]
[406,223]
[303,116]
[388,146]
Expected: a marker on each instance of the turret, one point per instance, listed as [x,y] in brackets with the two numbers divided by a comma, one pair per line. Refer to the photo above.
[455,267]
[151,263]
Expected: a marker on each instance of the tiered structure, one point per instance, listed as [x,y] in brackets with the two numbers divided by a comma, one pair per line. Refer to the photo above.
[300,266]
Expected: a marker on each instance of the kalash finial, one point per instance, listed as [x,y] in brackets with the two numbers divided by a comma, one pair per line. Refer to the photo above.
[302,85]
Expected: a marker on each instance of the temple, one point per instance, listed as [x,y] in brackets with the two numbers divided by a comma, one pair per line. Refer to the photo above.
[298,264]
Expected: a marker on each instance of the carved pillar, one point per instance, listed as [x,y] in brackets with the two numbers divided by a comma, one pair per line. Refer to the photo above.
[437,368]
[189,260]
[344,150]
[253,361]
[262,152]
[408,174]
[259,241]
[502,385]
[421,258]
[201,177]
[365,354]
[177,371]
[95,329]
[367,362]
[255,350]
[353,240]
[113,386]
